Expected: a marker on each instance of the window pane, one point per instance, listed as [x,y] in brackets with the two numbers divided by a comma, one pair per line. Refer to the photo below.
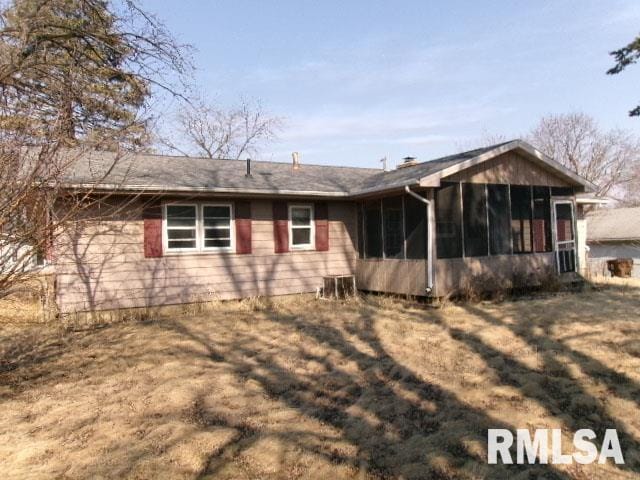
[499,219]
[181,216]
[181,211]
[220,242]
[372,229]
[415,216]
[474,209]
[301,216]
[181,234]
[181,222]
[216,211]
[217,233]
[448,221]
[182,244]
[521,219]
[541,219]
[393,229]
[301,236]
[217,222]
[564,222]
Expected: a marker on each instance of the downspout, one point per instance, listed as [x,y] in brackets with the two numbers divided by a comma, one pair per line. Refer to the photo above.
[427,202]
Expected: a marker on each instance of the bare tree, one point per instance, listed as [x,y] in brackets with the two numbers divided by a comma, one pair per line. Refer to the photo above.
[486,139]
[75,76]
[210,131]
[606,158]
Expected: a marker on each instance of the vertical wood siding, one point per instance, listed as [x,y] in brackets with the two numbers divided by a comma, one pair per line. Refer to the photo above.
[102,264]
[508,168]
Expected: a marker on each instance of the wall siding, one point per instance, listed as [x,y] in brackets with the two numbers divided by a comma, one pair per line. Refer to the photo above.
[508,168]
[392,276]
[453,274]
[102,265]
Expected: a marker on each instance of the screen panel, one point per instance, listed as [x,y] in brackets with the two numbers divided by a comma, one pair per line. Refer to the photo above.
[448,221]
[474,208]
[499,219]
[415,216]
[521,219]
[373,229]
[393,227]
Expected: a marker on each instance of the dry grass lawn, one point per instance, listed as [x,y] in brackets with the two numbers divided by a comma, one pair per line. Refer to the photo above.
[374,388]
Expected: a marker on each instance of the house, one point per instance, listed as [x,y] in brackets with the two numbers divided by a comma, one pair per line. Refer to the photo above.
[173,229]
[613,233]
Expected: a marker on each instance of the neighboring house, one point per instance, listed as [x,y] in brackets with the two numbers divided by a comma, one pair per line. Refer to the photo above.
[613,233]
[194,229]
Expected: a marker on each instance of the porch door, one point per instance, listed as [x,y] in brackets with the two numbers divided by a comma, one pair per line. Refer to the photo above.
[564,236]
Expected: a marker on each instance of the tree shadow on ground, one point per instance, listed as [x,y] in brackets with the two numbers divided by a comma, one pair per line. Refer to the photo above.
[397,421]
[336,380]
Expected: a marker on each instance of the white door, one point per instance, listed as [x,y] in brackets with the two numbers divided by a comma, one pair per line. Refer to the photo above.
[564,235]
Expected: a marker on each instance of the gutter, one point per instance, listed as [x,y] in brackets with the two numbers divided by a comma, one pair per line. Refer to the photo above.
[153,189]
[429,204]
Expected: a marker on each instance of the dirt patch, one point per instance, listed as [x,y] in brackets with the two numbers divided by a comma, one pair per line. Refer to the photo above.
[375,388]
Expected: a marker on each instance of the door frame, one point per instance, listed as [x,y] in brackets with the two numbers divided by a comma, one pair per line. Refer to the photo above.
[554,231]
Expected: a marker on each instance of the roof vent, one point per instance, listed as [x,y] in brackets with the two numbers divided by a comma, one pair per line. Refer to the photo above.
[408,162]
[296,160]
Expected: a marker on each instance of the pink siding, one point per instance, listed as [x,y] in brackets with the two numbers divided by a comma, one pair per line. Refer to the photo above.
[104,266]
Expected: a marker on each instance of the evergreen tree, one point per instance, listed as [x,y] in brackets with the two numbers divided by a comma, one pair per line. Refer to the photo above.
[81,70]
[626,56]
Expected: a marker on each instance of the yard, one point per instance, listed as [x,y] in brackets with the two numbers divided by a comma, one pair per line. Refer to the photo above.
[301,388]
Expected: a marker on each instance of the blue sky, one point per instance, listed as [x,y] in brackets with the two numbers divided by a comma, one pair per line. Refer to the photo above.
[355,81]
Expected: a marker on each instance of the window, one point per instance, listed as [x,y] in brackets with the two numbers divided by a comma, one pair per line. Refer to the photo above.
[521,219]
[541,219]
[301,226]
[216,222]
[393,227]
[415,227]
[474,209]
[499,219]
[372,229]
[195,227]
[448,221]
[181,222]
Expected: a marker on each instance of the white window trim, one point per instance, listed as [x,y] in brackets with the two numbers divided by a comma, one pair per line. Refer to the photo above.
[312,240]
[165,229]
[232,239]
[199,248]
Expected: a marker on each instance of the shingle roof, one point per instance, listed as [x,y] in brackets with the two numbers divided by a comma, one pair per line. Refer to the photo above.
[614,224]
[163,172]
[172,173]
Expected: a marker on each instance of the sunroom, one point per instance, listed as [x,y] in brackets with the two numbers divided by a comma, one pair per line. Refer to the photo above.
[503,219]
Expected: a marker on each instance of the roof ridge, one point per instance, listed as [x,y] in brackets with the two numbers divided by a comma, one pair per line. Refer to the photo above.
[162,155]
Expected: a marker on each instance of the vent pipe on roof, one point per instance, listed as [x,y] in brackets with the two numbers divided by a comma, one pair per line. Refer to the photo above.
[296,160]
[407,162]
[248,174]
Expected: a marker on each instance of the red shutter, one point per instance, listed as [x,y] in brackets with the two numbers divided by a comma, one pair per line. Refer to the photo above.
[152,216]
[243,227]
[281,227]
[322,226]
